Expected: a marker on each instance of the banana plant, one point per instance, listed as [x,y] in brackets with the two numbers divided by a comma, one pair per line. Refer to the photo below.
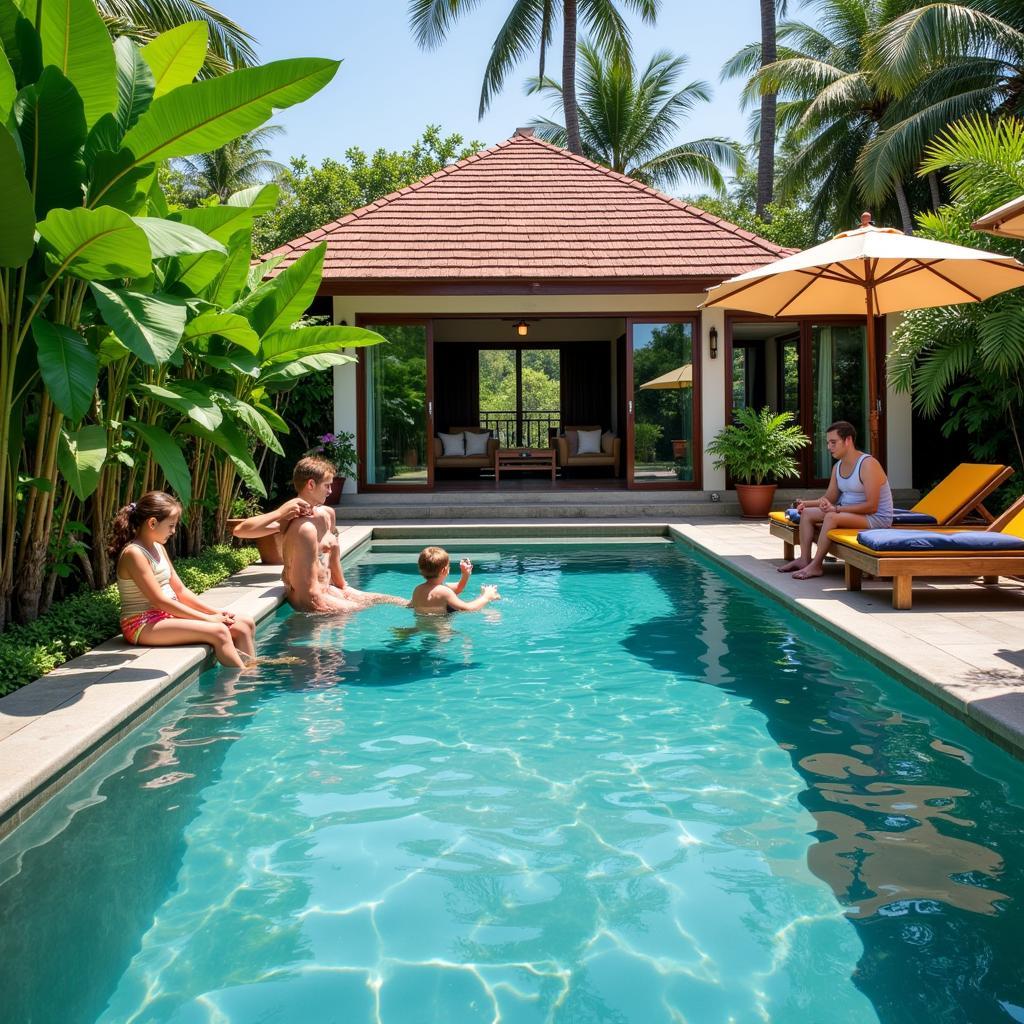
[89,258]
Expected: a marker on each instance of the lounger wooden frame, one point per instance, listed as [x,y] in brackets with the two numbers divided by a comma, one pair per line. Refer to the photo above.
[973,504]
[902,569]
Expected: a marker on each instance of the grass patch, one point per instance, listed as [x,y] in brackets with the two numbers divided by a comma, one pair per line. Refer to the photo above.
[77,624]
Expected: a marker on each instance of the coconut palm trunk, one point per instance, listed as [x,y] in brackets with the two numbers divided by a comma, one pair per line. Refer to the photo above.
[572,114]
[766,146]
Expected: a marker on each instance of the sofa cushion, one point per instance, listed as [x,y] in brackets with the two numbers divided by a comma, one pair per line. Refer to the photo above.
[454,444]
[476,441]
[589,442]
[607,442]
[923,540]
[574,441]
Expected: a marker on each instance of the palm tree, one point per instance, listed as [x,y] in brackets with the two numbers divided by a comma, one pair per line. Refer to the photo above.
[766,129]
[242,162]
[627,122]
[529,25]
[942,62]
[230,45]
[832,105]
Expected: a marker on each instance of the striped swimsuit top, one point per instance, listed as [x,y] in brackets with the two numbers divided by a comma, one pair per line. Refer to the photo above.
[133,602]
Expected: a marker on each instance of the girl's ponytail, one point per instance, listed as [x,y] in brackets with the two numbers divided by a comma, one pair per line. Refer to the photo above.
[152,505]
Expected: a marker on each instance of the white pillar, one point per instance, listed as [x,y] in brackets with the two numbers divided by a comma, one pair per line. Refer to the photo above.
[712,393]
[345,406]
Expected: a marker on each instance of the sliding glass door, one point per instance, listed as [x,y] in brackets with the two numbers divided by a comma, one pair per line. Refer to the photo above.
[663,366]
[395,388]
[839,381]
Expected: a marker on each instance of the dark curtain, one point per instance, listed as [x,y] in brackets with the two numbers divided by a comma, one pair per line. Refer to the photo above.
[586,384]
[456,385]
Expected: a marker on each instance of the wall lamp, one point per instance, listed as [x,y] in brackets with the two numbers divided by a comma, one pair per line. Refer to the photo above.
[522,328]
[713,342]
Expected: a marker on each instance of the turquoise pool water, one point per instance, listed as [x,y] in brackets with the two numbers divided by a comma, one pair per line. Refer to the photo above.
[634,791]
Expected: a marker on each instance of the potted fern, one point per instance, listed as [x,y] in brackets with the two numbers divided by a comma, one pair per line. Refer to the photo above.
[759,444]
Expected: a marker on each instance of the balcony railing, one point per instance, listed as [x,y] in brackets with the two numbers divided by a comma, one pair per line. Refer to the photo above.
[523,430]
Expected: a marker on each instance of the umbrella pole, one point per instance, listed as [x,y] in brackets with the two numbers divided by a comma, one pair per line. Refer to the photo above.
[873,401]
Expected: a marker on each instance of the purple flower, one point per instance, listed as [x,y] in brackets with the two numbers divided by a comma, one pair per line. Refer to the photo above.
[327,439]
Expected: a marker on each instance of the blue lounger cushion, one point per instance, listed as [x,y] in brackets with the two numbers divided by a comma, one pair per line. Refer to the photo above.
[900,517]
[922,540]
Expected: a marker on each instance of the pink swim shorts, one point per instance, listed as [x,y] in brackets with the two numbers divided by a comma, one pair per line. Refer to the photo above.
[133,625]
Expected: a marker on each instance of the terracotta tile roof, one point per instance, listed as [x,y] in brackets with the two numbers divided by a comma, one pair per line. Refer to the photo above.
[525,209]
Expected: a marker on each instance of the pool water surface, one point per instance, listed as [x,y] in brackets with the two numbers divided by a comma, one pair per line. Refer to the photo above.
[632,791]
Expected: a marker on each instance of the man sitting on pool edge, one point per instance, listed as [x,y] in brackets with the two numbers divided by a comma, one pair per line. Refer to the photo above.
[312,575]
[858,498]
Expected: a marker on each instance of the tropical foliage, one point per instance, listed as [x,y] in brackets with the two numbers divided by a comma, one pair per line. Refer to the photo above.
[230,168]
[967,362]
[628,121]
[529,26]
[138,346]
[759,444]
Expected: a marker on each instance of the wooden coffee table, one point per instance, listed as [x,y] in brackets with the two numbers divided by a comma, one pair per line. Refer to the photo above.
[507,459]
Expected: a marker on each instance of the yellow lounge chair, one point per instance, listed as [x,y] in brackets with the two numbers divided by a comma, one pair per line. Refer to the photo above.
[903,564]
[948,503]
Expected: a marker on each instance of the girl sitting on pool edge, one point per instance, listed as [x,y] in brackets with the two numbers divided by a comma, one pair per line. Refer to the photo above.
[435,596]
[157,609]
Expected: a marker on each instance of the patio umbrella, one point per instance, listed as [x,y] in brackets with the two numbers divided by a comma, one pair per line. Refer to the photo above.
[676,380]
[872,270]
[1006,220]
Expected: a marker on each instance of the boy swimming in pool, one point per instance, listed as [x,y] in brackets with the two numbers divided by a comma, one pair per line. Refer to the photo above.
[435,596]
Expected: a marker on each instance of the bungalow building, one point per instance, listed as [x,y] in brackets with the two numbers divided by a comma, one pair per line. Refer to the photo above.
[529,258]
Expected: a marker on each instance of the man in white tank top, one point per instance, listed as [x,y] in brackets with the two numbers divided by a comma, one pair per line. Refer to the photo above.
[858,498]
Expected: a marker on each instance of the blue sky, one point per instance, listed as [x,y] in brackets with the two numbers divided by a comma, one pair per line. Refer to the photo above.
[387,89]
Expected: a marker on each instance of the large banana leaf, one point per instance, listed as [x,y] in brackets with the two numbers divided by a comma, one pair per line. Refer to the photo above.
[8,87]
[192,402]
[68,368]
[176,56]
[95,244]
[228,326]
[205,115]
[80,458]
[169,457]
[51,123]
[243,363]
[280,302]
[288,373]
[221,222]
[168,238]
[252,418]
[150,325]
[229,282]
[76,41]
[258,198]
[135,85]
[18,223]
[284,346]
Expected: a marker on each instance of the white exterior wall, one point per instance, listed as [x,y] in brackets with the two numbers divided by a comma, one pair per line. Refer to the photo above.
[713,397]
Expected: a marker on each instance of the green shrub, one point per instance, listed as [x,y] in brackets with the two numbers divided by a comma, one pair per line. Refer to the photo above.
[77,624]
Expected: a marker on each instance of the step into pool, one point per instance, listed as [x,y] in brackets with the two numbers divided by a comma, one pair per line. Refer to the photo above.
[634,791]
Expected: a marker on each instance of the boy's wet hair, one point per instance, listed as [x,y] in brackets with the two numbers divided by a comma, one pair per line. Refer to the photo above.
[312,467]
[432,561]
[843,429]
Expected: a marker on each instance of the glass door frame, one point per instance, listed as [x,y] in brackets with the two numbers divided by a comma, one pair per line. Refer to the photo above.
[695,319]
[362,439]
[805,417]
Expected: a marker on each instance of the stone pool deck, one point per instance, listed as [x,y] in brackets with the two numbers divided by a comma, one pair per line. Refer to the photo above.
[962,645]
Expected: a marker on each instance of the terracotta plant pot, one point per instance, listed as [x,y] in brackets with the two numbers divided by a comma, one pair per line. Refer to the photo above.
[334,495]
[678,450]
[755,499]
[269,547]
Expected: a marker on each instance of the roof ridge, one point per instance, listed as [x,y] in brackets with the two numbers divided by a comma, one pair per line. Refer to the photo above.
[764,243]
[415,186]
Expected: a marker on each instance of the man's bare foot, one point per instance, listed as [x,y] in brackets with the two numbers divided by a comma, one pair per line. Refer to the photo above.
[797,563]
[808,573]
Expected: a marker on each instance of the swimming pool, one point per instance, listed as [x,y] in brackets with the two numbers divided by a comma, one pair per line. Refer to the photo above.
[633,791]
